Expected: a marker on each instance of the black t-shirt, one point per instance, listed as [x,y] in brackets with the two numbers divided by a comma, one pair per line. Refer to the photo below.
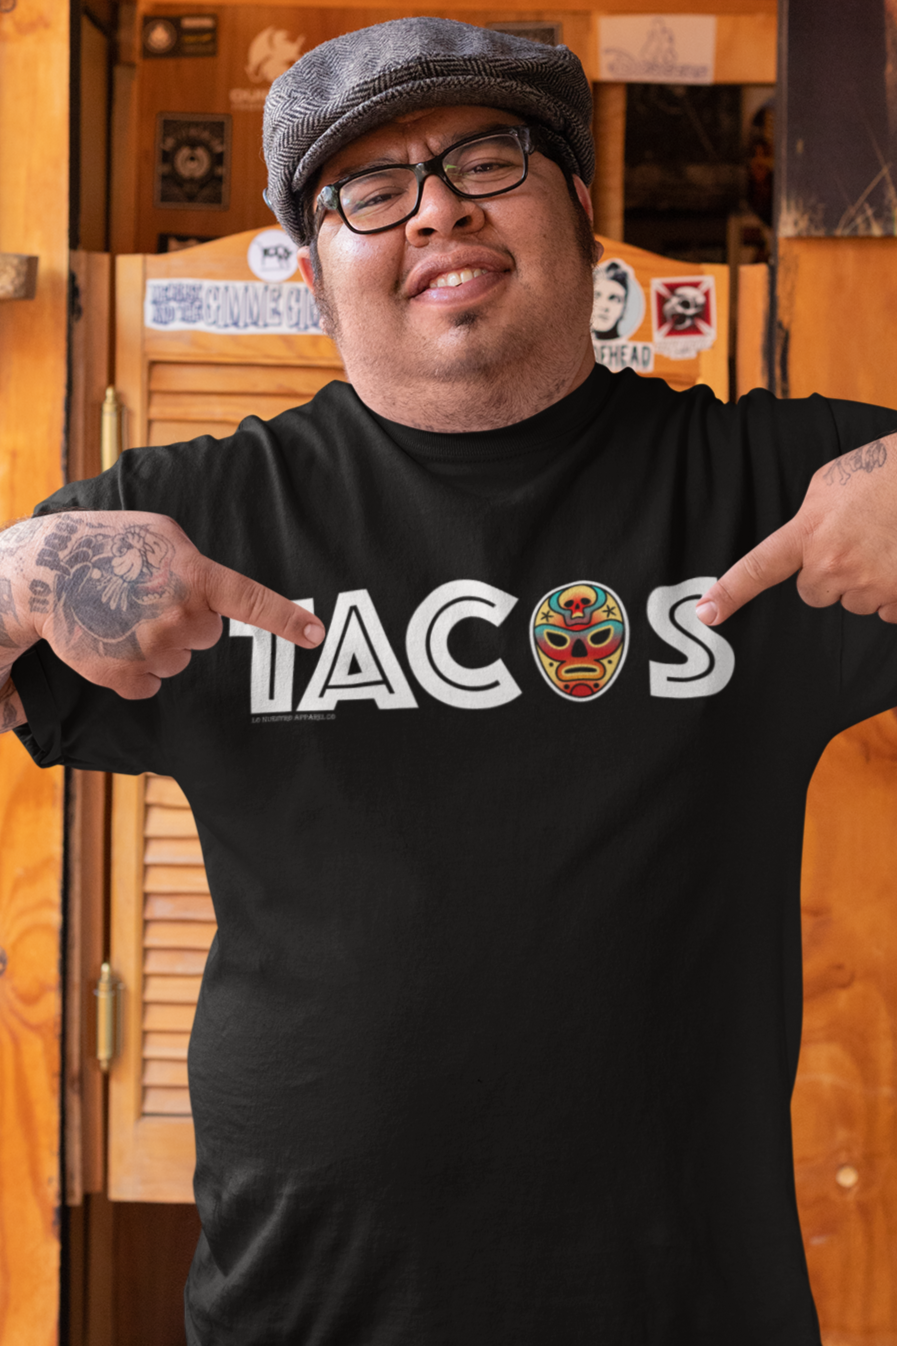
[496,1041]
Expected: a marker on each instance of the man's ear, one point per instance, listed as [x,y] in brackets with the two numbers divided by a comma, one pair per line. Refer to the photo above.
[585,198]
[304,261]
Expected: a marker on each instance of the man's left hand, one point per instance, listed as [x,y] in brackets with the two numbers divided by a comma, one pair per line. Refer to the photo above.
[842,542]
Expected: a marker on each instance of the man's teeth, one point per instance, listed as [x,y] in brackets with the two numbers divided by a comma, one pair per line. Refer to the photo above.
[455,278]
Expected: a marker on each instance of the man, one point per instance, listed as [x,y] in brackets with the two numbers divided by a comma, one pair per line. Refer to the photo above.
[496,1041]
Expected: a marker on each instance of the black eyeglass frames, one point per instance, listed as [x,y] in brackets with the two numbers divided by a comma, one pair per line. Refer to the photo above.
[477,166]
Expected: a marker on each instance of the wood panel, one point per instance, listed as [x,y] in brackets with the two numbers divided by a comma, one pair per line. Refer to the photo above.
[149,1308]
[294,380]
[751,333]
[745,46]
[163,925]
[34,115]
[91,360]
[151,1149]
[224,85]
[845,1101]
[88,791]
[836,301]
[748,7]
[85,929]
[609,134]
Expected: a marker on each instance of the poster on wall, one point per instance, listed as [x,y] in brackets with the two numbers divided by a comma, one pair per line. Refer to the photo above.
[174,36]
[618,310]
[683,315]
[231,307]
[192,161]
[837,151]
[657,48]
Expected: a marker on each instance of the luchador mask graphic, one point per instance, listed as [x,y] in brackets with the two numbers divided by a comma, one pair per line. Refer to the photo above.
[580,639]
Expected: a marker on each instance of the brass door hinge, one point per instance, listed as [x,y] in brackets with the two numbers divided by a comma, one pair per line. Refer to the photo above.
[108,994]
[110,429]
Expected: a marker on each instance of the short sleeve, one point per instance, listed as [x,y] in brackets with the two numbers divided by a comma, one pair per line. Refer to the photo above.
[72,722]
[868,645]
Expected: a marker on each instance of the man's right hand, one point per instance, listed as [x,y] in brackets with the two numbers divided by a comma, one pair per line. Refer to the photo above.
[123,598]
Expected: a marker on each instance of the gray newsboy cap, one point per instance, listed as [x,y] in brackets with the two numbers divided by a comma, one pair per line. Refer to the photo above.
[343,88]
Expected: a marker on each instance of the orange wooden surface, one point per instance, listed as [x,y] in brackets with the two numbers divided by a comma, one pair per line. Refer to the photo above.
[751,330]
[845,1101]
[836,305]
[151,1149]
[609,135]
[748,8]
[34,81]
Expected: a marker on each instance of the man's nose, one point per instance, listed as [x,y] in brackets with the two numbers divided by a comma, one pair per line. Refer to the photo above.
[442,212]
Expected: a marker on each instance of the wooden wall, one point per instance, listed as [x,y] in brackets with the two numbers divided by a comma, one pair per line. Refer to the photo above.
[836,326]
[34,166]
[845,1100]
[144,88]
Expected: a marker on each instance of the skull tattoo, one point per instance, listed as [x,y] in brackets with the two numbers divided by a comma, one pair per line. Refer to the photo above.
[580,637]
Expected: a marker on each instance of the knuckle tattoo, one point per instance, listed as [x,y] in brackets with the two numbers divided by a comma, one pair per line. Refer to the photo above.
[102,581]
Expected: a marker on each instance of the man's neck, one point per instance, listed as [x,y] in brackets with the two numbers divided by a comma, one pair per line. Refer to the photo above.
[468,404]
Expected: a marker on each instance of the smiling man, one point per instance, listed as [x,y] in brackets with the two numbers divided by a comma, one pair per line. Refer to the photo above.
[496,1041]
[464,295]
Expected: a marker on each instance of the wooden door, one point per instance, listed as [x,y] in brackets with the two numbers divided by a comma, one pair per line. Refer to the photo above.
[177,382]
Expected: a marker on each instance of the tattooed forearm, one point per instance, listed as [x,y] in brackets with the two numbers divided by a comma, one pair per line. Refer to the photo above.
[17,535]
[12,713]
[865,459]
[7,602]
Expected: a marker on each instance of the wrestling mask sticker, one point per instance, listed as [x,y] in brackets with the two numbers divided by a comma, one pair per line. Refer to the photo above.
[579,639]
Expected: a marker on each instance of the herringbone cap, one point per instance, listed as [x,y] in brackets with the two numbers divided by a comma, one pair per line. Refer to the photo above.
[344,88]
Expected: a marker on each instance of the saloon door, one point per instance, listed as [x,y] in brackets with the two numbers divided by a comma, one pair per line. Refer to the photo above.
[202,341]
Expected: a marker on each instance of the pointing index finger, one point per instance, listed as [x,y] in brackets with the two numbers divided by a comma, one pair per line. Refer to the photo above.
[233,595]
[770,562]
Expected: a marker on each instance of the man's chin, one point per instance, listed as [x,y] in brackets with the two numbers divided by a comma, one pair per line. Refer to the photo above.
[468,318]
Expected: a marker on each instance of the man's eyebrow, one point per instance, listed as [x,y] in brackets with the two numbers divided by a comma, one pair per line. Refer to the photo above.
[387,161]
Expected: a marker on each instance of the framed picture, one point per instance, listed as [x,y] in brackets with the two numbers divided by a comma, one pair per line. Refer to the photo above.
[193,161]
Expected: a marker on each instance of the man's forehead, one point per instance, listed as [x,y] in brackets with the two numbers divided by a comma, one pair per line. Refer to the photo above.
[438,126]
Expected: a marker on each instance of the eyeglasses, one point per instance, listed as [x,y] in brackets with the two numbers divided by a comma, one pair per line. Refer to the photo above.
[475,167]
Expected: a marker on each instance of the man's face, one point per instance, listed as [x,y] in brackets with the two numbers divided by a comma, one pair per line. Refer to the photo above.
[463,287]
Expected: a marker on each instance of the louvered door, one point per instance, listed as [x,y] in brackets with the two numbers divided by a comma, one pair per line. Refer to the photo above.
[175,385]
[162,926]
[178,926]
